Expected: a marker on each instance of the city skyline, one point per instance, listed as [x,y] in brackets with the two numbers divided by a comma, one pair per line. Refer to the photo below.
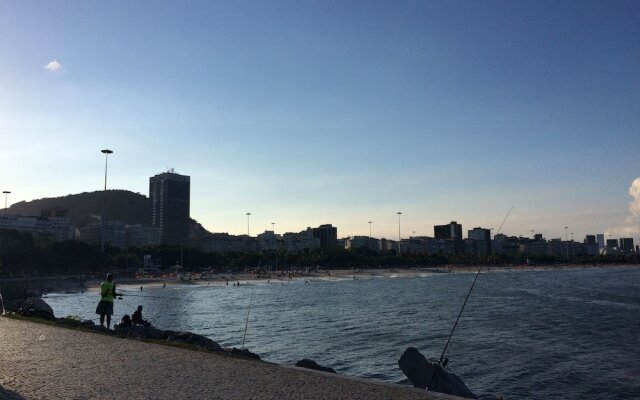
[304,114]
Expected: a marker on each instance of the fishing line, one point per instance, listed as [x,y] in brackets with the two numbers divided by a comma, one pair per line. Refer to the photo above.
[464,304]
[246,323]
[151,297]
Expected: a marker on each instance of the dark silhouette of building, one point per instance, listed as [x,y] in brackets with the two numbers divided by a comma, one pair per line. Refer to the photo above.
[328,235]
[626,245]
[612,243]
[590,239]
[169,194]
[451,231]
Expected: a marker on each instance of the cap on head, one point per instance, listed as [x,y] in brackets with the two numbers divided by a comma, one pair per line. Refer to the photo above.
[139,308]
[109,276]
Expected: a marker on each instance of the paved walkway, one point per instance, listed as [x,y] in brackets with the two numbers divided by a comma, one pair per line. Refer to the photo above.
[39,361]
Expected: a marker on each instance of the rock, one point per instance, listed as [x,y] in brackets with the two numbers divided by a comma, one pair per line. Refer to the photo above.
[194,339]
[37,308]
[75,322]
[99,328]
[422,373]
[244,353]
[140,332]
[310,364]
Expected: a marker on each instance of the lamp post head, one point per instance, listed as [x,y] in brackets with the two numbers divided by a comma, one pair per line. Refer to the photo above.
[106,151]
[6,192]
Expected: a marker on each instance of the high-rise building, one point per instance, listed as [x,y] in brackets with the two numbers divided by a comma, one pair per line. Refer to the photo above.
[600,240]
[328,235]
[451,231]
[169,194]
[626,245]
[480,241]
[612,243]
[590,239]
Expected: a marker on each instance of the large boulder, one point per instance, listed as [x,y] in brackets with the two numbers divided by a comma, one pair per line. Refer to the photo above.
[243,353]
[195,340]
[140,332]
[310,364]
[423,374]
[37,308]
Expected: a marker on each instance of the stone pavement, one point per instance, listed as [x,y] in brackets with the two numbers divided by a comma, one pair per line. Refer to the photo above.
[39,361]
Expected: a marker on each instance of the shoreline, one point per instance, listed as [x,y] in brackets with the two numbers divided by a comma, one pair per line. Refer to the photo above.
[14,288]
[339,274]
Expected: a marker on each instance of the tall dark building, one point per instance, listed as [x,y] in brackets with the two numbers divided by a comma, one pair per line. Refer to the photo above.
[590,239]
[169,194]
[626,245]
[451,231]
[328,235]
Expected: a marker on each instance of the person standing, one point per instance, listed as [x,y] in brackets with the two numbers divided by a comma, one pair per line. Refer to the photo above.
[107,294]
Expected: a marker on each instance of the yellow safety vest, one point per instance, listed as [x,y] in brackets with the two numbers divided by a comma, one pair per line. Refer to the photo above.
[108,288]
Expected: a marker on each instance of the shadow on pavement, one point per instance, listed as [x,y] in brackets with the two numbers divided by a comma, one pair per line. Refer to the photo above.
[6,394]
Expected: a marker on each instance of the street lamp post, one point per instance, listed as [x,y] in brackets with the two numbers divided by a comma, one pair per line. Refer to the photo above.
[399,235]
[6,194]
[573,254]
[275,242]
[248,216]
[566,239]
[106,153]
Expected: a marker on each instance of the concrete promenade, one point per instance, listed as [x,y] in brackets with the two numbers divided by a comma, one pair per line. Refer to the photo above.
[39,361]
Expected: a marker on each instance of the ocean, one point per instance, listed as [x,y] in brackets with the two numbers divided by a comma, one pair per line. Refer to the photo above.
[554,334]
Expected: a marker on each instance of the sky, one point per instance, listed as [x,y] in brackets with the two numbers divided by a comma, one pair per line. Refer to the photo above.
[343,112]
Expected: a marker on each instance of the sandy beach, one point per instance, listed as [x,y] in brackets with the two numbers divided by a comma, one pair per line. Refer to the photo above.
[39,361]
[314,275]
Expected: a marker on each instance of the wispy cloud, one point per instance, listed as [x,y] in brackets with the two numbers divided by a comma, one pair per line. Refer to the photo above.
[631,225]
[54,66]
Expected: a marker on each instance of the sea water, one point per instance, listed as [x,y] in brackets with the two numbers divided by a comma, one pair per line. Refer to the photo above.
[555,334]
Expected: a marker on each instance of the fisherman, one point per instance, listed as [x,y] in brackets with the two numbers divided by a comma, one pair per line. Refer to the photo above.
[107,294]
[125,322]
[137,319]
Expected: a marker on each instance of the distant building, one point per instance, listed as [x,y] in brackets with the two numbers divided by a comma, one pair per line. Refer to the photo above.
[328,235]
[305,240]
[600,240]
[57,228]
[142,235]
[451,231]
[223,243]
[170,195]
[367,242]
[114,233]
[626,245]
[590,239]
[612,243]
[479,242]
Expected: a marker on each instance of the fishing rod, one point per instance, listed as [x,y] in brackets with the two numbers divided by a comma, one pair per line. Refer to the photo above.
[150,297]
[246,323]
[464,304]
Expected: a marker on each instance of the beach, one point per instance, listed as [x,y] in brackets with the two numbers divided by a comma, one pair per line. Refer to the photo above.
[47,362]
[319,274]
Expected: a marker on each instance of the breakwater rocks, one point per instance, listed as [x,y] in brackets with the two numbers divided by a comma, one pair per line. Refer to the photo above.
[40,309]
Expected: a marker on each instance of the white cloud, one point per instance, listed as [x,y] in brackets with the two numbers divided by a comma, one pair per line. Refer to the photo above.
[54,66]
[631,225]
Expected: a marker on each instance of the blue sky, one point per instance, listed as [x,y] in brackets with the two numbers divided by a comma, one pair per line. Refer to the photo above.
[340,112]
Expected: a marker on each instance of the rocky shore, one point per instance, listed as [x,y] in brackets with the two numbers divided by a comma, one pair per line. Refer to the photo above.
[45,361]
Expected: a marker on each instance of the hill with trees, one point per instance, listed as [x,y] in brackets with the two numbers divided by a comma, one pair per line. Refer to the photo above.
[84,208]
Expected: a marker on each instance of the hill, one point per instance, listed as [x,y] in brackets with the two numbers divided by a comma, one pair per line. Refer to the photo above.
[84,208]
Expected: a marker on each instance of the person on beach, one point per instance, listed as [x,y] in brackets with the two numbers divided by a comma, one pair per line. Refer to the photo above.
[107,294]
[137,319]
